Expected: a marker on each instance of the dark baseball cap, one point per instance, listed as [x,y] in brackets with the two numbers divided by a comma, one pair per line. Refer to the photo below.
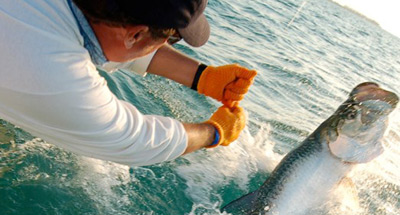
[186,16]
[197,32]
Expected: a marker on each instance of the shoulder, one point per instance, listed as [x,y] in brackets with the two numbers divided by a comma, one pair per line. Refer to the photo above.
[41,42]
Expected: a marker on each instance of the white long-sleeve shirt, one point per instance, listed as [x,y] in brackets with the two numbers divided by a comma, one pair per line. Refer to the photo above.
[50,87]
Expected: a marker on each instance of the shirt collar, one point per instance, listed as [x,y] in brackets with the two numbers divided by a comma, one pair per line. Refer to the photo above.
[90,41]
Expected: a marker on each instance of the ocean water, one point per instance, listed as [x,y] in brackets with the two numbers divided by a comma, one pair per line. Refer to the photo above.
[308,54]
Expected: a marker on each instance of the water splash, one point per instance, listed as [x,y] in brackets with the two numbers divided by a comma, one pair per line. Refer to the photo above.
[224,168]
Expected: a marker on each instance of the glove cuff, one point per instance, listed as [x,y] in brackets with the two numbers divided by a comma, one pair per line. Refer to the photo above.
[196,79]
[218,133]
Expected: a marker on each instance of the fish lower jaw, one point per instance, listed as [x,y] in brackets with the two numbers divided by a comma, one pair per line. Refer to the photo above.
[353,151]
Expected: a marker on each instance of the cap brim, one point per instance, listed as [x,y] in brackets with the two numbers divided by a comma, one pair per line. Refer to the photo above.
[197,33]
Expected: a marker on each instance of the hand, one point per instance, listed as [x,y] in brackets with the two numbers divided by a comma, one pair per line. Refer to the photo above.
[229,122]
[227,84]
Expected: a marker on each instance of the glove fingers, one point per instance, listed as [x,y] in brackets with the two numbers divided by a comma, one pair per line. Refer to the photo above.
[238,112]
[231,96]
[242,72]
[230,103]
[229,121]
[239,86]
[235,91]
[215,81]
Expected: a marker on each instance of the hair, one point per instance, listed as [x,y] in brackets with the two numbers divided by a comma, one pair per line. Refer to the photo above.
[109,13]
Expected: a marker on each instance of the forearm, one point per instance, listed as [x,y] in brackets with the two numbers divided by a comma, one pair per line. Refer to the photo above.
[171,64]
[199,136]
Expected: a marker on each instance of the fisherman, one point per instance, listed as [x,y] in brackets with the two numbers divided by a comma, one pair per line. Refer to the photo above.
[50,86]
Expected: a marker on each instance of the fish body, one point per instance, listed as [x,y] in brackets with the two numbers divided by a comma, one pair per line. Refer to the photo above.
[306,176]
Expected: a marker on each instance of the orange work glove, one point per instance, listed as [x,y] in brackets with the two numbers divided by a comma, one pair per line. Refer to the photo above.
[227,84]
[229,122]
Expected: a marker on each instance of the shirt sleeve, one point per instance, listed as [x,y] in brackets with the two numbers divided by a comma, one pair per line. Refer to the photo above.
[84,117]
[138,66]
[141,65]
[50,88]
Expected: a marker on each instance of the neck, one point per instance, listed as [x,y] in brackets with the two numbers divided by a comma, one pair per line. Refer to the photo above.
[111,40]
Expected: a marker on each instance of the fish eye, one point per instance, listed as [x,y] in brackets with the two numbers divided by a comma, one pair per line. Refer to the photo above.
[351,113]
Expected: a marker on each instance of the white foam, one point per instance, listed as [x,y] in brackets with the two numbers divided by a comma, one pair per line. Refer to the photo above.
[215,168]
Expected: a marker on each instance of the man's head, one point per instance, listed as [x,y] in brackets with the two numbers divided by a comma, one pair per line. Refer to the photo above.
[162,17]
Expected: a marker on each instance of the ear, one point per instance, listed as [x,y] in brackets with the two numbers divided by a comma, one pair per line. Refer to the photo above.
[133,34]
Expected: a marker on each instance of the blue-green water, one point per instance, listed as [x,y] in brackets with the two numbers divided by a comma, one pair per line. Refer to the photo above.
[306,68]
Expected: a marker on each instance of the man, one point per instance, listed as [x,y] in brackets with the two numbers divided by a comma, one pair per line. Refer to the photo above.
[49,85]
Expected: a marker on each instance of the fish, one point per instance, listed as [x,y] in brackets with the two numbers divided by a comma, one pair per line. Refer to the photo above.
[306,177]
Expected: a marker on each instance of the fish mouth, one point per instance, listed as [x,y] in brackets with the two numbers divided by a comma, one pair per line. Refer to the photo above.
[373,101]
[372,91]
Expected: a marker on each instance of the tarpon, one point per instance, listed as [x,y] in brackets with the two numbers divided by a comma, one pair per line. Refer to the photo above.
[306,176]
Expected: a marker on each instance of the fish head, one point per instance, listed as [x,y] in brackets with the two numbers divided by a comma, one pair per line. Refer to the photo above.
[356,129]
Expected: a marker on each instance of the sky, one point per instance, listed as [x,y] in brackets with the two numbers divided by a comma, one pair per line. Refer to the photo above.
[384,12]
